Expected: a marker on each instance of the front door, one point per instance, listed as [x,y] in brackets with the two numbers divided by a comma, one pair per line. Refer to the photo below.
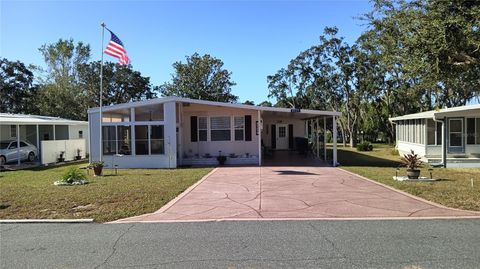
[282,136]
[455,136]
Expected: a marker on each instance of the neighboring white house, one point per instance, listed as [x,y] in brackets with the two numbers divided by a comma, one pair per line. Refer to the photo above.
[449,137]
[172,131]
[49,131]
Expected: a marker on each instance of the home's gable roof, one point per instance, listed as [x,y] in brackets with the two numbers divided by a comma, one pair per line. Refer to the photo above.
[437,114]
[210,103]
[36,119]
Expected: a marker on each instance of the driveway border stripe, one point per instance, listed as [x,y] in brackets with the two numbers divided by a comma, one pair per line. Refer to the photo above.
[408,194]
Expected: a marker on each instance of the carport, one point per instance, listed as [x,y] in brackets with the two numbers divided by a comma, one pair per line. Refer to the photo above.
[306,134]
[34,129]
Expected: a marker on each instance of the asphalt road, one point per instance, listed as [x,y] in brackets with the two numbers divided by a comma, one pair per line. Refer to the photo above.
[256,244]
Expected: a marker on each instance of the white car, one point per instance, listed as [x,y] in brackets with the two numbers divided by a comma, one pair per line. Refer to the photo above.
[10,153]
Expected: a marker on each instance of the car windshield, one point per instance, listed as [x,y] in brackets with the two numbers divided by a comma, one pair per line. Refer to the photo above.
[4,145]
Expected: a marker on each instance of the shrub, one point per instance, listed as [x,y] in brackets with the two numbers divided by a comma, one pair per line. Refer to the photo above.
[365,146]
[73,175]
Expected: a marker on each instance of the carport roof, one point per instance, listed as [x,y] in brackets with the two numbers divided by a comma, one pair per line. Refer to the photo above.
[309,112]
[6,118]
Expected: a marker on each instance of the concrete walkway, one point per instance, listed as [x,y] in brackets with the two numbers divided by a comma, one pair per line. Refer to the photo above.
[253,193]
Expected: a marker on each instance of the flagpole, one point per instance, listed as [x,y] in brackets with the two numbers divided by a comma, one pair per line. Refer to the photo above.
[101,94]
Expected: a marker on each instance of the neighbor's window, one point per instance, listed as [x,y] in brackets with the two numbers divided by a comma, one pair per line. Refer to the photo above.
[141,140]
[202,129]
[13,131]
[478,130]
[239,125]
[439,133]
[220,129]
[471,131]
[455,132]
[430,132]
[157,145]
[109,140]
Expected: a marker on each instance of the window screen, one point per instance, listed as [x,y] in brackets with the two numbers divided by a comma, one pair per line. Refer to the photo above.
[478,131]
[202,128]
[109,140]
[471,131]
[157,145]
[141,140]
[430,132]
[239,125]
[220,129]
[124,140]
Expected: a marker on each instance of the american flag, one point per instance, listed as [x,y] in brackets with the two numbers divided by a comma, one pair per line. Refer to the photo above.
[115,49]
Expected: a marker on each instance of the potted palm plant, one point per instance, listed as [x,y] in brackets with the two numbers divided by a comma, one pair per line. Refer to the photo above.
[412,162]
[61,158]
[97,167]
[78,157]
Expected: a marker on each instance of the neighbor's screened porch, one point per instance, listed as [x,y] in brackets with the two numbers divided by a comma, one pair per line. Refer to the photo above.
[462,133]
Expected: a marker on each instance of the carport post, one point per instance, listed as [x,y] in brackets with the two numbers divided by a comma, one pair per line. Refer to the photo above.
[18,144]
[324,138]
[317,138]
[259,138]
[38,144]
[334,141]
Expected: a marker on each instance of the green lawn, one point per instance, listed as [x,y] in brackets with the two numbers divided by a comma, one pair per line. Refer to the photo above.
[453,190]
[31,193]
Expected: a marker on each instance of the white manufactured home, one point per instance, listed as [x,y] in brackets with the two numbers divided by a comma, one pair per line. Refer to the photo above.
[172,131]
[447,137]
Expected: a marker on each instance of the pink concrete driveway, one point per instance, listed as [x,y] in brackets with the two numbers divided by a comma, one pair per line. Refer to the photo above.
[293,193]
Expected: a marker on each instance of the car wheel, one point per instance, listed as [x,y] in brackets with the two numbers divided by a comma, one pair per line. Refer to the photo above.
[31,157]
[2,160]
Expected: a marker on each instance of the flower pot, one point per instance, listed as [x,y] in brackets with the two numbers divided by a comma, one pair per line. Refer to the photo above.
[221,160]
[413,173]
[78,158]
[97,171]
[61,160]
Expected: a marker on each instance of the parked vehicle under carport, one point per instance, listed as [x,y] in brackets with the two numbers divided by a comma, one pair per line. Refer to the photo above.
[10,153]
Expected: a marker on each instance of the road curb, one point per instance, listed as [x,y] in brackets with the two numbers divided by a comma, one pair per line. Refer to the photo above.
[19,221]
[306,219]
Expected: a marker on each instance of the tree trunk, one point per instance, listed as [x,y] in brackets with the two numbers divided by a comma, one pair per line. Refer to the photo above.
[353,137]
